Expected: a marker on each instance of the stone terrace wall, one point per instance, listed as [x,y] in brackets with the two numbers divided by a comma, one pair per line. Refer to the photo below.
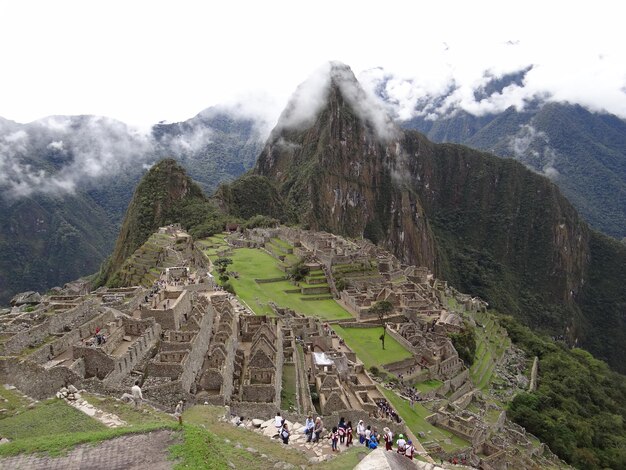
[34,380]
[124,364]
[57,323]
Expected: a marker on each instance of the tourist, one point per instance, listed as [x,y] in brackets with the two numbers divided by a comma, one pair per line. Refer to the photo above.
[410,449]
[178,412]
[334,437]
[284,433]
[368,435]
[401,444]
[308,428]
[348,433]
[373,442]
[318,428]
[278,422]
[341,429]
[360,430]
[388,437]
[239,421]
[137,395]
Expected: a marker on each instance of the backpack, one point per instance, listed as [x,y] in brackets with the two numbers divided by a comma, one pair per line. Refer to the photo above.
[284,434]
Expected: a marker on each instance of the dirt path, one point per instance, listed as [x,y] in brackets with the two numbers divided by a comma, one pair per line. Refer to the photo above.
[132,452]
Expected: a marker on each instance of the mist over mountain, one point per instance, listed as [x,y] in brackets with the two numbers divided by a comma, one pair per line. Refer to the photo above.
[66,182]
[583,151]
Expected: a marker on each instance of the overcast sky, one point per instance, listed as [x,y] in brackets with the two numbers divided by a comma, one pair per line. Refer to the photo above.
[142,62]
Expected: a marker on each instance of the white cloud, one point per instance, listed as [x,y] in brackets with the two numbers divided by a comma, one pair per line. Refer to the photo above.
[185,57]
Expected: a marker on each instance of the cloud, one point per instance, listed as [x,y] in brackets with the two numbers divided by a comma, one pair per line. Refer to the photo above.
[92,148]
[532,147]
[312,95]
[56,145]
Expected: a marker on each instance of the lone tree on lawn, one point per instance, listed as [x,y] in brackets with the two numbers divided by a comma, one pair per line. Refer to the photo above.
[382,308]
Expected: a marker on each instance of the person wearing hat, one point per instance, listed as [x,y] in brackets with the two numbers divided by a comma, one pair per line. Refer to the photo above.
[410,449]
[388,437]
[360,431]
[178,412]
[401,444]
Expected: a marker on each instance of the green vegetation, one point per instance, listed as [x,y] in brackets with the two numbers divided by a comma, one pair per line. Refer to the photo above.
[491,343]
[415,419]
[251,264]
[465,344]
[164,196]
[365,342]
[288,391]
[428,385]
[49,417]
[579,408]
[200,449]
[381,309]
[53,426]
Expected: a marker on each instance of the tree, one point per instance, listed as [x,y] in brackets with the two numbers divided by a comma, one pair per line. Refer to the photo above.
[382,308]
[222,263]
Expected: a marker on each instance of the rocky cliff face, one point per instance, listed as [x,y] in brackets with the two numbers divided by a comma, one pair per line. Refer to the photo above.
[338,171]
[488,225]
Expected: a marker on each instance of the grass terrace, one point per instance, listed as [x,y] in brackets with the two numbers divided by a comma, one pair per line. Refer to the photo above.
[415,419]
[251,264]
[366,344]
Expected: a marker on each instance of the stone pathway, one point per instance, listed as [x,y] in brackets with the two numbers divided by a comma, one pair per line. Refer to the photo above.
[317,452]
[133,452]
[108,419]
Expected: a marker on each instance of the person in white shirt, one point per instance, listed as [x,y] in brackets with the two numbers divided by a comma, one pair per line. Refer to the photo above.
[360,430]
[137,395]
[401,444]
[410,450]
[308,428]
[278,421]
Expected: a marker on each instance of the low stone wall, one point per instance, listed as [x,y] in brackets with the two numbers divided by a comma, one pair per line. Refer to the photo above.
[34,380]
[402,340]
[399,365]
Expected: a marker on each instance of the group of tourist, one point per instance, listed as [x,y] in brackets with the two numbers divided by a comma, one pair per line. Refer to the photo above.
[387,411]
[370,438]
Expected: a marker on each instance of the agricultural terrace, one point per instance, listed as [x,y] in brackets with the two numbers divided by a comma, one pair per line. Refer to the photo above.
[491,342]
[251,264]
[366,344]
[415,419]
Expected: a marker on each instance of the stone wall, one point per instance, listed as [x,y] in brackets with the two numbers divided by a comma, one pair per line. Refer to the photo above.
[135,354]
[97,363]
[34,380]
[402,340]
[195,358]
[58,323]
[260,393]
[400,365]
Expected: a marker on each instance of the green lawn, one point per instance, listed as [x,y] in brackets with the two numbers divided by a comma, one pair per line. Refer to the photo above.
[428,385]
[251,264]
[366,344]
[415,420]
[49,417]
[52,426]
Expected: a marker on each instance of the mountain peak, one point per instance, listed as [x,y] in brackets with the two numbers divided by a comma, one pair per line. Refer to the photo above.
[329,83]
